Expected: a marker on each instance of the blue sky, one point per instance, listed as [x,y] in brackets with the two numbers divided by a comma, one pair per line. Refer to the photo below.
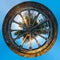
[6,53]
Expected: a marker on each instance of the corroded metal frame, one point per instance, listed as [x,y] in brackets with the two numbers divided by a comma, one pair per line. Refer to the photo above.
[42,49]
